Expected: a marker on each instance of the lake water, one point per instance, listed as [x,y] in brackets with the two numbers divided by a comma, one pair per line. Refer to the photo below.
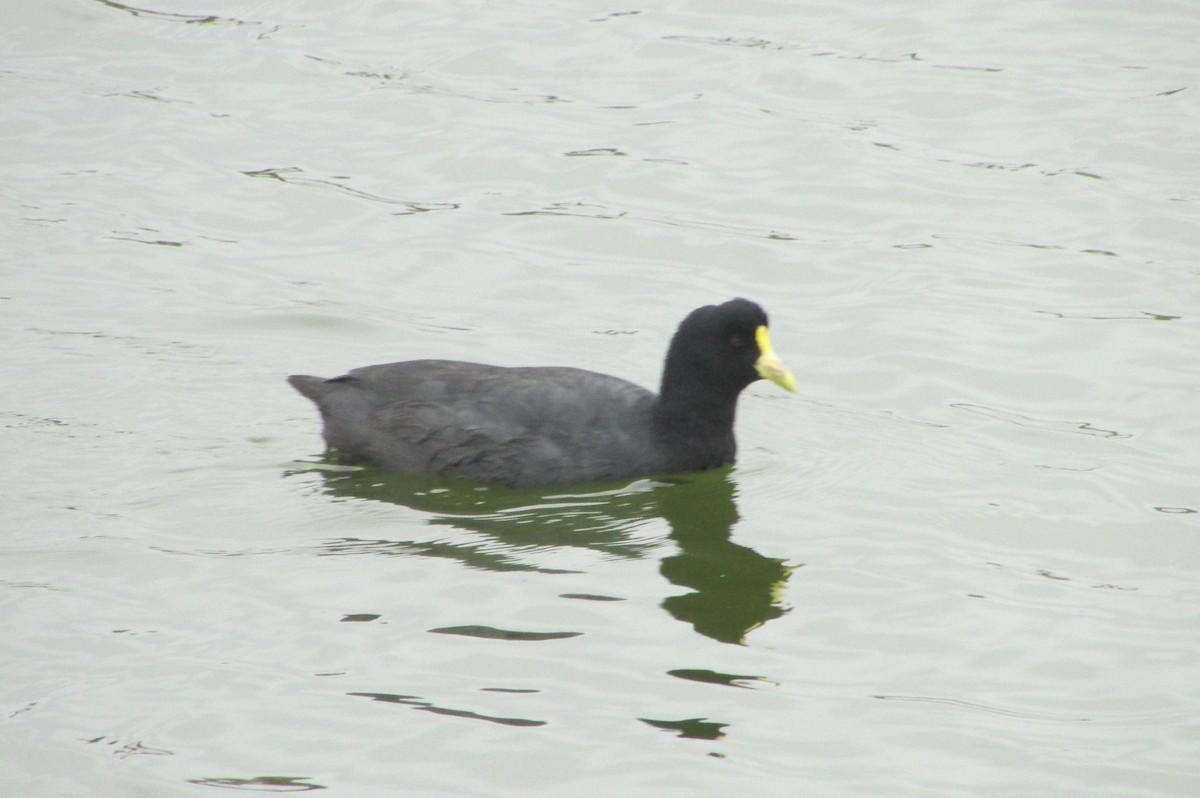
[962,561]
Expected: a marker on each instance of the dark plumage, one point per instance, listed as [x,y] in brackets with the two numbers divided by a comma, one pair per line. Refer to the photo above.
[544,426]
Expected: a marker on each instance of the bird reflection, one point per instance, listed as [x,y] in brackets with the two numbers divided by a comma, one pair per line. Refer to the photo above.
[732,589]
[736,589]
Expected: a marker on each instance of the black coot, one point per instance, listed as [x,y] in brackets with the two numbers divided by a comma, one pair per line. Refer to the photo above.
[545,426]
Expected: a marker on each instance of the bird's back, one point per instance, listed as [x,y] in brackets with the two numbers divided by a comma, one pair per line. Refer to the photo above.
[518,426]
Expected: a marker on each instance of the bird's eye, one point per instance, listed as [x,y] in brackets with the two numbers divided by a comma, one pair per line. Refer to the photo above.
[737,340]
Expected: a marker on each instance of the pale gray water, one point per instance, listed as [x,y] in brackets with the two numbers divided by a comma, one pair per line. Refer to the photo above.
[961,562]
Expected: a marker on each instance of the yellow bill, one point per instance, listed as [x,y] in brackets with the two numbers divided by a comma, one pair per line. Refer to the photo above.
[768,365]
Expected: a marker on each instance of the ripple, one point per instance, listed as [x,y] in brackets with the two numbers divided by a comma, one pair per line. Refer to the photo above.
[492,633]
[1080,427]
[261,783]
[191,19]
[984,708]
[705,676]
[690,728]
[294,176]
[425,706]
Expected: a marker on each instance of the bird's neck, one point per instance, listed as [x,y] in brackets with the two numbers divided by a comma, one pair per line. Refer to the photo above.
[680,415]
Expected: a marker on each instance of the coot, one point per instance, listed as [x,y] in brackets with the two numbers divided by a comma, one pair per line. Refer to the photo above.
[553,425]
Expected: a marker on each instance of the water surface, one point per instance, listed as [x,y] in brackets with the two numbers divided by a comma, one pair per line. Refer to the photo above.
[960,562]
